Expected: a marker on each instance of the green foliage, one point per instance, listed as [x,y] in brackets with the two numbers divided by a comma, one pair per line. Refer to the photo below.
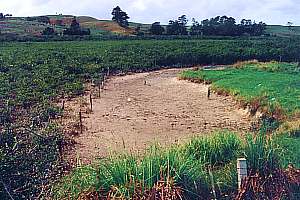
[261,154]
[178,27]
[120,17]
[226,26]
[75,29]
[156,29]
[48,31]
[80,180]
[289,149]
[218,149]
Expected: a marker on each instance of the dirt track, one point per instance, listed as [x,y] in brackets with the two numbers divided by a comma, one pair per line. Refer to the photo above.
[131,115]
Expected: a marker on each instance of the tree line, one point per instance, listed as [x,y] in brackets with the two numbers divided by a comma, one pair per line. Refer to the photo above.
[3,16]
[217,26]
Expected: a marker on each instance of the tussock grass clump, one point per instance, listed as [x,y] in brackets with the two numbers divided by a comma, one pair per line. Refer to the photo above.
[218,149]
[261,154]
[266,177]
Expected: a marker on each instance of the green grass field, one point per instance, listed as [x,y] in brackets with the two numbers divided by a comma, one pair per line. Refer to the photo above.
[283,30]
[274,85]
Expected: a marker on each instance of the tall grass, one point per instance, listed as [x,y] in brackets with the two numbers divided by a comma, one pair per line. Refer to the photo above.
[185,166]
[203,168]
[218,149]
[261,154]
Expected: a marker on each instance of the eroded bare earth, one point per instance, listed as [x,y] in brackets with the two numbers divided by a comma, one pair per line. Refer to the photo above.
[131,116]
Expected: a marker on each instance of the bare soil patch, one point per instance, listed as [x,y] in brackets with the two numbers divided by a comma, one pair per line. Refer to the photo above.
[130,115]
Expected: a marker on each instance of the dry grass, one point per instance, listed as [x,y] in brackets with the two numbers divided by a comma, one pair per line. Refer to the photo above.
[241,64]
[109,26]
[290,127]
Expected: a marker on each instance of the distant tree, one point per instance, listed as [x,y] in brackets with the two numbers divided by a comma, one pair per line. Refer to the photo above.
[3,16]
[75,29]
[226,26]
[48,31]
[252,28]
[223,26]
[43,19]
[138,31]
[156,29]
[258,29]
[183,20]
[290,26]
[120,17]
[178,27]
[196,28]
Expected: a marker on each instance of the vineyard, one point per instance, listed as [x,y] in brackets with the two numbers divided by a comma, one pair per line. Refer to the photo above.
[34,76]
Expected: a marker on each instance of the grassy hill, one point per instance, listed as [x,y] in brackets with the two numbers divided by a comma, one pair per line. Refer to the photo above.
[283,30]
[24,26]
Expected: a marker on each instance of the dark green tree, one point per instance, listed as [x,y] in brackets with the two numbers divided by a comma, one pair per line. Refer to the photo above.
[2,16]
[156,29]
[178,27]
[120,17]
[196,28]
[75,29]
[48,31]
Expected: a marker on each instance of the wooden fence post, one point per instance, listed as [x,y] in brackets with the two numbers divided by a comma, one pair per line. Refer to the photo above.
[208,93]
[99,90]
[63,105]
[108,72]
[241,170]
[91,101]
[80,121]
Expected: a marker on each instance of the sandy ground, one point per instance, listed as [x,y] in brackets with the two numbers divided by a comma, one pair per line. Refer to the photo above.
[130,115]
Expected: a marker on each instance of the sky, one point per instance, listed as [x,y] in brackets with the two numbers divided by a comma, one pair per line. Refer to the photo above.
[149,11]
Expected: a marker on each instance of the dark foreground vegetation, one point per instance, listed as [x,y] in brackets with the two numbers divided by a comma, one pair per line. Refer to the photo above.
[33,76]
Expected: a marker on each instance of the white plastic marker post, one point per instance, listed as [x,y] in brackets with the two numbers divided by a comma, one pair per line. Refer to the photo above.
[241,170]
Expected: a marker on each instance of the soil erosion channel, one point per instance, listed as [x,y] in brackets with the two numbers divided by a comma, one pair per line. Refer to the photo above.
[132,115]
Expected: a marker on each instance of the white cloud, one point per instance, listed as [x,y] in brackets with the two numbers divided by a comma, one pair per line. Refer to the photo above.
[148,11]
